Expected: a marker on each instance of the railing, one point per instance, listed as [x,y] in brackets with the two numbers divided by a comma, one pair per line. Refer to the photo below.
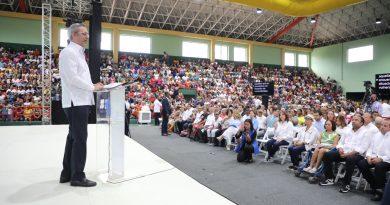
[21,113]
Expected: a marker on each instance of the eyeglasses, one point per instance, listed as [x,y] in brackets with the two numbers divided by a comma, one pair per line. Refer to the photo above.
[84,34]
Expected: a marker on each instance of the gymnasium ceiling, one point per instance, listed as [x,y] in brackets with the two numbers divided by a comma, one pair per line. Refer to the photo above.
[226,19]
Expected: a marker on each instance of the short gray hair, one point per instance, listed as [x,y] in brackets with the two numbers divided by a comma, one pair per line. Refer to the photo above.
[73,29]
[378,120]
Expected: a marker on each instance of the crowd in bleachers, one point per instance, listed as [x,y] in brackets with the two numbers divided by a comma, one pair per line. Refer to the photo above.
[20,91]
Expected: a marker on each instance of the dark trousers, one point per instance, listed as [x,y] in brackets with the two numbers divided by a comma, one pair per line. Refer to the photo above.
[295,152]
[164,124]
[378,179]
[179,126]
[273,146]
[334,156]
[76,143]
[245,154]
[386,194]
[127,123]
[157,118]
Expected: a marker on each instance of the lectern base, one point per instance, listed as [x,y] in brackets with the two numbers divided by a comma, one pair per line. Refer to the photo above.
[104,177]
[113,179]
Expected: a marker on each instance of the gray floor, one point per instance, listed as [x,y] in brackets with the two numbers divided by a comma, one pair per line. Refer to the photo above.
[256,183]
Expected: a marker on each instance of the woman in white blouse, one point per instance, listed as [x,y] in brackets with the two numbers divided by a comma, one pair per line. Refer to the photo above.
[341,126]
[283,135]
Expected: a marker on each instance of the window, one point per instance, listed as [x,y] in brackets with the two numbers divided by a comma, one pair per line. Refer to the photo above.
[364,53]
[195,50]
[289,59]
[303,60]
[104,45]
[240,54]
[63,37]
[134,44]
[221,52]
[106,41]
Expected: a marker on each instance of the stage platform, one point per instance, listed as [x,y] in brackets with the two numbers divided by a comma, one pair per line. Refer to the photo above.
[31,161]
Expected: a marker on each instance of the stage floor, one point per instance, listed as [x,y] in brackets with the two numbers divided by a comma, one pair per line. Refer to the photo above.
[31,161]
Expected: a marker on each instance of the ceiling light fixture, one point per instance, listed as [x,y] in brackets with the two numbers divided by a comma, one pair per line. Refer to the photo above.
[259,11]
[378,21]
[312,20]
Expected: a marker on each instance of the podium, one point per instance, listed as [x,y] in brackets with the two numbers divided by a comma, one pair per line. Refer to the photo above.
[110,138]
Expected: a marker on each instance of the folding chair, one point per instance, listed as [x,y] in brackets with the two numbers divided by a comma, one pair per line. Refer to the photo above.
[267,136]
[283,152]
[357,177]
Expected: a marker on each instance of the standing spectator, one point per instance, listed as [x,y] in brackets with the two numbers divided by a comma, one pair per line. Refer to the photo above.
[157,111]
[166,111]
[374,105]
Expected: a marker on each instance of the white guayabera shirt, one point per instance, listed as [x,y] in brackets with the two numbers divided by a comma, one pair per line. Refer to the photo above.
[77,86]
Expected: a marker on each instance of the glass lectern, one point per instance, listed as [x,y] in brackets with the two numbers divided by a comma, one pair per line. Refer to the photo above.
[110,116]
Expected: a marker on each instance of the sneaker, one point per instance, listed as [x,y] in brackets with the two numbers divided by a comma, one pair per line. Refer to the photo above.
[307,169]
[268,159]
[228,147]
[345,188]
[312,171]
[327,182]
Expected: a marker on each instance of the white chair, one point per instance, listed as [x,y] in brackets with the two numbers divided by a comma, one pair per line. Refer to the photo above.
[283,152]
[357,177]
[267,136]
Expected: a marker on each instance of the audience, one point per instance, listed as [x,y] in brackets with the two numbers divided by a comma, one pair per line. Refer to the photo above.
[224,107]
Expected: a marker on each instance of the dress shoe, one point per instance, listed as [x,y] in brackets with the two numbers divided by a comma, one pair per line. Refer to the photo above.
[64,179]
[83,183]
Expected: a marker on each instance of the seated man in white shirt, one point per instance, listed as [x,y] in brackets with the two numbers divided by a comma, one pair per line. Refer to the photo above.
[350,149]
[378,156]
[369,125]
[185,117]
[303,142]
[209,124]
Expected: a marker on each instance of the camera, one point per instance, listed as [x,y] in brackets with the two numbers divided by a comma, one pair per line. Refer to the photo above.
[367,83]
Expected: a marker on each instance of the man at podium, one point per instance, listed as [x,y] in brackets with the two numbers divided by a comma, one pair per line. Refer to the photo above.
[77,98]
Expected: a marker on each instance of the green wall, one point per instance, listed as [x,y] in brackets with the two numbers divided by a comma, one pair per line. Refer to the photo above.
[267,55]
[332,61]
[17,30]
